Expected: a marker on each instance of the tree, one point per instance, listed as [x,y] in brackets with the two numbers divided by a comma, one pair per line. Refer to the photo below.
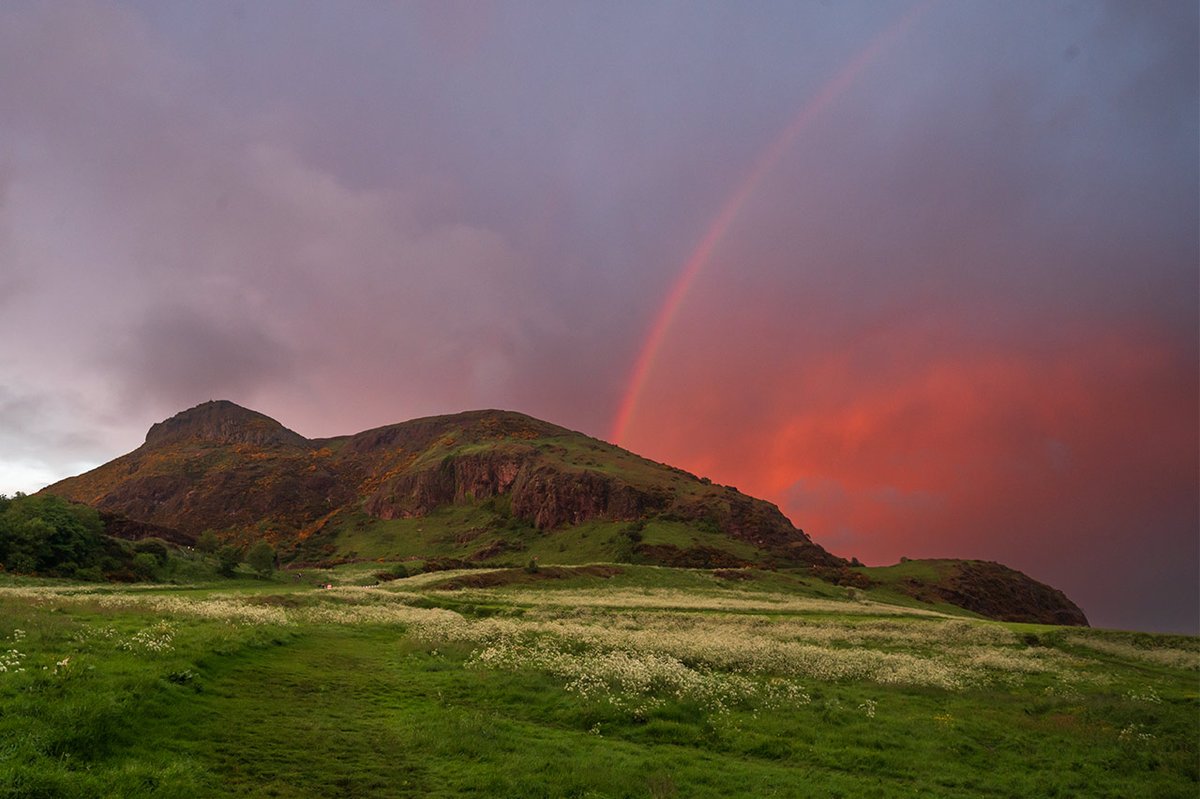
[228,558]
[155,547]
[208,542]
[45,533]
[144,565]
[261,558]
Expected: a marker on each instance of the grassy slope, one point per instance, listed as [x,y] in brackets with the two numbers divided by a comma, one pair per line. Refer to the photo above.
[887,579]
[461,531]
[371,708]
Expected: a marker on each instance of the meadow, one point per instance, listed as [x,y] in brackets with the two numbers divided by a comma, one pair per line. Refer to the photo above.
[595,681]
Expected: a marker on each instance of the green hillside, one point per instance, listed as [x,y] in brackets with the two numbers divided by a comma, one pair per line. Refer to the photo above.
[609,680]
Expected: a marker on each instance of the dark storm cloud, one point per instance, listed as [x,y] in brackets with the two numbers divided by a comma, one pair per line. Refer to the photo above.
[988,170]
[171,200]
[177,354]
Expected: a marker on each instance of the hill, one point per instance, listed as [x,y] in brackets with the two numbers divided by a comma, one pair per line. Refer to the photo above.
[472,486]
[483,487]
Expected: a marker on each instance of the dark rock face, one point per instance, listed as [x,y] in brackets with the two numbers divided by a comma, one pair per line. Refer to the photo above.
[120,526]
[757,522]
[549,498]
[998,592]
[454,479]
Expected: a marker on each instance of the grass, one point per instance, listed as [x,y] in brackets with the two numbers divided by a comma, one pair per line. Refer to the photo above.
[648,682]
[929,571]
[450,531]
[486,533]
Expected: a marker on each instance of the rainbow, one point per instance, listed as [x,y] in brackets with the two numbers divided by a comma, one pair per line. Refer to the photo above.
[703,251]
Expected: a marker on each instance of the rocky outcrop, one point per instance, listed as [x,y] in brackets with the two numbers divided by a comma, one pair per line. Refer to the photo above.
[756,522]
[549,498]
[223,422]
[216,466]
[540,493]
[419,491]
[997,592]
[120,526]
[223,466]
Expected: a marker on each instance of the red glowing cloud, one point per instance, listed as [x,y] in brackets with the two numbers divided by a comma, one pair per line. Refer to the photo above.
[1052,458]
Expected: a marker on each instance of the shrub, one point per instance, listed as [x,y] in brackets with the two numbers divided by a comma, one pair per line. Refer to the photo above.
[152,546]
[91,574]
[228,558]
[144,565]
[208,542]
[261,558]
[396,572]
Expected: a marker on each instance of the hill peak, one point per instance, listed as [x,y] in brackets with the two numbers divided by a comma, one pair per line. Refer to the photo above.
[225,422]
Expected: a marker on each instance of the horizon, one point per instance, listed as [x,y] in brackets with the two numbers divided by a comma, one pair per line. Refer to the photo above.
[922,274]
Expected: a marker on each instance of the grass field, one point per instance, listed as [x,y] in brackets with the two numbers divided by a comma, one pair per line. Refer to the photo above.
[615,681]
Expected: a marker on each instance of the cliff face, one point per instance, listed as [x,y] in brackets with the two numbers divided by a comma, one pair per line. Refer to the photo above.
[541,494]
[225,467]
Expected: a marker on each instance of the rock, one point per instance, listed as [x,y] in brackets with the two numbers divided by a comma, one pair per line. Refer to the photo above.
[224,422]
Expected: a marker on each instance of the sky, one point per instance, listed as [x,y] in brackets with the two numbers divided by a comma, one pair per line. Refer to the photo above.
[924,274]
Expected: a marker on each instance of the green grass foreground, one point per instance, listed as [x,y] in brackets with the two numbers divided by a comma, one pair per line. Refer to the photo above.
[643,683]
